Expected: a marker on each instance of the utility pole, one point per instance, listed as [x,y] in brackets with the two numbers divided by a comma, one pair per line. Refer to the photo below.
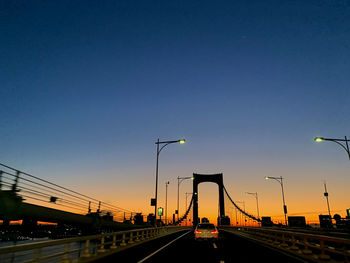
[326,195]
[166,202]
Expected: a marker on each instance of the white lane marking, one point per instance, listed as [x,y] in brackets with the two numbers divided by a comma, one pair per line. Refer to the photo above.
[214,245]
[155,252]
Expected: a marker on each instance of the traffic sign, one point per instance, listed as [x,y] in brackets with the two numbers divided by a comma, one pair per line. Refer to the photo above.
[153,202]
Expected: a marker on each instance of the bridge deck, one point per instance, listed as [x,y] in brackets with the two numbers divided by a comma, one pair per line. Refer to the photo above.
[228,248]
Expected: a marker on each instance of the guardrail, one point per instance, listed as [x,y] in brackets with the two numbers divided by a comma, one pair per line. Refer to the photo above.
[81,249]
[308,246]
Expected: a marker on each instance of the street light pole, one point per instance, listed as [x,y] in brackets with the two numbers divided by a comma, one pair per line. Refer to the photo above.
[326,195]
[257,203]
[179,181]
[236,216]
[345,146]
[245,217]
[156,191]
[166,202]
[280,180]
[182,141]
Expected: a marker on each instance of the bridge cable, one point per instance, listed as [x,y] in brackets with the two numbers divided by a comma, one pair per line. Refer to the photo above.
[242,211]
[186,213]
[56,185]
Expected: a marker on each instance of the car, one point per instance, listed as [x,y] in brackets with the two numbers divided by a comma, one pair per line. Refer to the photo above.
[206,231]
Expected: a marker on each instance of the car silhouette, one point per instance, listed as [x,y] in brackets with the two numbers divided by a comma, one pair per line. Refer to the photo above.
[206,231]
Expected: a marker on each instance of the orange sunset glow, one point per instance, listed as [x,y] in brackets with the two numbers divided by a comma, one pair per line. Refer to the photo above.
[174,131]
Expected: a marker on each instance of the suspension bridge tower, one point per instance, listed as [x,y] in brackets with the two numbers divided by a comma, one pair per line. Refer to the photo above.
[213,178]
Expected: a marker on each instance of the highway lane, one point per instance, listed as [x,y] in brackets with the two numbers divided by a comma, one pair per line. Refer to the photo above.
[141,251]
[228,248]
[182,247]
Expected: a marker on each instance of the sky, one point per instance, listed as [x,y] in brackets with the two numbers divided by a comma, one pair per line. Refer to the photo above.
[88,87]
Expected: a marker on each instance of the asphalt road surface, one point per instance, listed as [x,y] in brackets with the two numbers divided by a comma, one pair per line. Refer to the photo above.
[181,247]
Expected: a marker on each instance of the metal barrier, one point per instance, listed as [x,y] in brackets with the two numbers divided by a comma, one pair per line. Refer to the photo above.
[81,249]
[308,246]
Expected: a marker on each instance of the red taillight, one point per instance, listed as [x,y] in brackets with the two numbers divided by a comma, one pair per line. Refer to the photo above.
[198,232]
[214,232]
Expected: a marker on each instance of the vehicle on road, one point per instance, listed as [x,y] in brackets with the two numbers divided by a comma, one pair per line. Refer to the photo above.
[206,231]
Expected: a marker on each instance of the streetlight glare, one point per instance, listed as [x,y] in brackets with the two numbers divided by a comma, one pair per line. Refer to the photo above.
[182,141]
[319,139]
[266,178]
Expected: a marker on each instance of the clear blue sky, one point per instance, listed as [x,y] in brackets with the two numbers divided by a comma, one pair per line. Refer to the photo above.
[87,87]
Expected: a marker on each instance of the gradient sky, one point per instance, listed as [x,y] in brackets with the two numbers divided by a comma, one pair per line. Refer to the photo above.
[87,87]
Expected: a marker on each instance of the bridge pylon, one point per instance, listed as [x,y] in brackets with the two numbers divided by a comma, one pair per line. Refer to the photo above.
[213,178]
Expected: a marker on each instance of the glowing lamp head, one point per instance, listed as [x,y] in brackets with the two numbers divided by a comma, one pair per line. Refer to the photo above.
[182,141]
[266,178]
[319,139]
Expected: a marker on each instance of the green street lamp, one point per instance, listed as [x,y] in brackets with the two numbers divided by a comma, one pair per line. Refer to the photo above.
[164,144]
[344,145]
[280,180]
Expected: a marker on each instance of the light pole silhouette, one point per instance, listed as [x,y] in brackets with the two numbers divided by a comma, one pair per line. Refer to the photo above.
[345,146]
[280,180]
[179,181]
[326,195]
[182,141]
[257,203]
[166,202]
[245,217]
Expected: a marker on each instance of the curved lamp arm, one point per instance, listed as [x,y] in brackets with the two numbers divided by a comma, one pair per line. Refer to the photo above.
[337,141]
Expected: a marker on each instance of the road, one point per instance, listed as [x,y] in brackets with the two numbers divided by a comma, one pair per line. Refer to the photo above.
[181,247]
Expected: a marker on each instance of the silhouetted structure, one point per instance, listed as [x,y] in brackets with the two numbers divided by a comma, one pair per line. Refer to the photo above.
[342,223]
[266,221]
[214,178]
[325,221]
[224,221]
[296,221]
[150,219]
[138,219]
[13,208]
[204,220]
